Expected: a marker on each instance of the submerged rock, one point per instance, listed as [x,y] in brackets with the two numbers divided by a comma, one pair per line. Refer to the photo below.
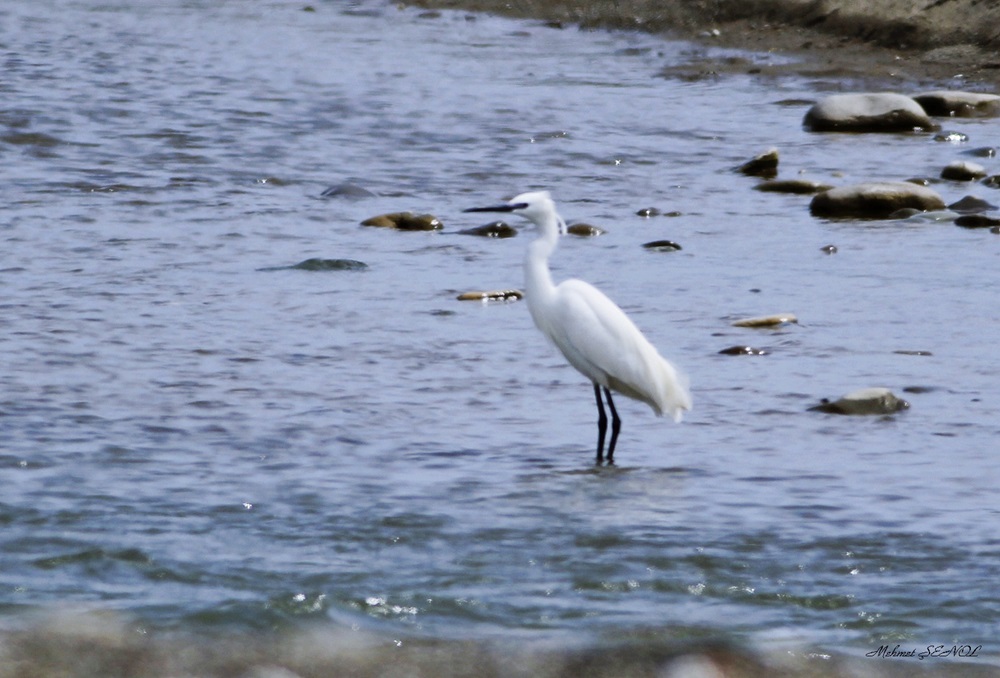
[405,221]
[867,112]
[874,200]
[662,246]
[764,165]
[952,137]
[977,221]
[496,229]
[743,350]
[491,295]
[776,320]
[317,264]
[970,204]
[963,170]
[982,152]
[347,191]
[950,103]
[866,401]
[585,230]
[330,265]
[648,212]
[795,186]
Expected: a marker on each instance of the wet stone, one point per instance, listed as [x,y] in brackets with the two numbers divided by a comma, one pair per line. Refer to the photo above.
[496,229]
[662,246]
[867,401]
[405,221]
[977,221]
[317,264]
[767,321]
[867,112]
[794,186]
[970,204]
[491,295]
[992,182]
[347,191]
[982,152]
[958,104]
[828,249]
[584,230]
[951,137]
[874,200]
[963,170]
[648,212]
[743,350]
[764,165]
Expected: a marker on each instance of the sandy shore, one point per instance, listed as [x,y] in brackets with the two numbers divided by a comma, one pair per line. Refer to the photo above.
[941,43]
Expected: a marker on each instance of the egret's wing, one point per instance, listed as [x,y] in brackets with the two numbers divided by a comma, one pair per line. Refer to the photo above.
[600,341]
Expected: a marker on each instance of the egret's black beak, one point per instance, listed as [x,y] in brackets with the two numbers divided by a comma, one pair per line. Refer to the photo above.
[506,207]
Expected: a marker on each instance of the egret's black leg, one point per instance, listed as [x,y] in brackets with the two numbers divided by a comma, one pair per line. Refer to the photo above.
[602,424]
[616,425]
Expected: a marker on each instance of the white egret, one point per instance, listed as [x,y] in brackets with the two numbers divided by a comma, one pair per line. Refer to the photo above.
[593,333]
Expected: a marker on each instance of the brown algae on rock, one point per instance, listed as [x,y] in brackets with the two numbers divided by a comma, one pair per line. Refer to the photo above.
[405,221]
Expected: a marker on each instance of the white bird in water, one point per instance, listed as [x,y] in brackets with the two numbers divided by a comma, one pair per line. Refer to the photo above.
[593,333]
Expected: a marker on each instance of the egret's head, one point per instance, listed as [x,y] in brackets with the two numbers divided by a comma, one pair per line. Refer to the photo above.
[536,206]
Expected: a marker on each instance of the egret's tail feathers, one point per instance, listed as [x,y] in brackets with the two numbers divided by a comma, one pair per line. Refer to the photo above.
[674,398]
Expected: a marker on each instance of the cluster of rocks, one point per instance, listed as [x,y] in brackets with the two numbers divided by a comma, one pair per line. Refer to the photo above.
[882,112]
[888,112]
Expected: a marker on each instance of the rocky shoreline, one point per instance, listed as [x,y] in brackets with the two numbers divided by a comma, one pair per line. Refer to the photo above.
[951,43]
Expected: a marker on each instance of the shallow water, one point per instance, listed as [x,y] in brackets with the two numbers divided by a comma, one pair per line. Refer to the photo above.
[197,437]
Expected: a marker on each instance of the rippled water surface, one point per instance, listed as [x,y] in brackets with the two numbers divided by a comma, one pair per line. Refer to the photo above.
[195,434]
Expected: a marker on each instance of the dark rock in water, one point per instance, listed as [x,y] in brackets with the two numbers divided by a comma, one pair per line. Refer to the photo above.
[828,249]
[962,170]
[743,350]
[767,321]
[496,229]
[585,230]
[874,200]
[970,204]
[330,265]
[405,221]
[322,265]
[867,112]
[764,165]
[867,401]
[992,182]
[347,191]
[976,221]
[648,212]
[662,246]
[951,137]
[491,295]
[419,222]
[956,104]
[982,152]
[795,186]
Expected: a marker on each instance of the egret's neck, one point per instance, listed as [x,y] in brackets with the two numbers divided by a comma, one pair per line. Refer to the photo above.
[537,277]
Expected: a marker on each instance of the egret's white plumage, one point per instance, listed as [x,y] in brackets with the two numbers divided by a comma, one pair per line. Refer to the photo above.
[593,333]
